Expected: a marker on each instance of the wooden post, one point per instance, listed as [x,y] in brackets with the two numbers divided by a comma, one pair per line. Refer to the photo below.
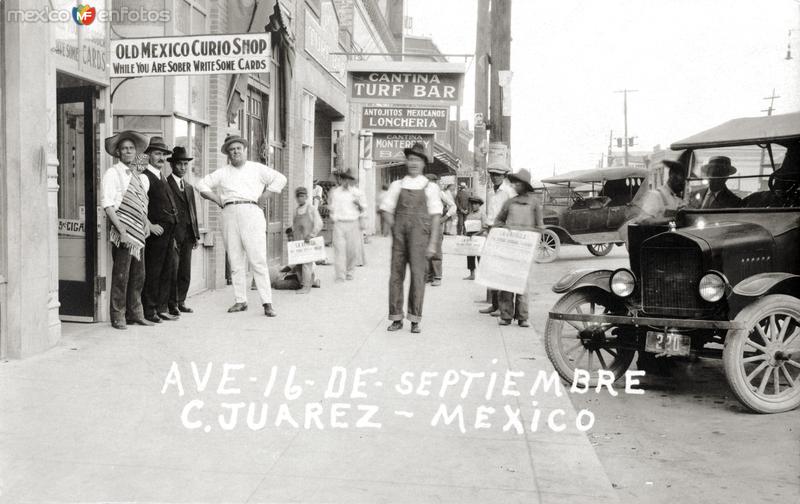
[501,60]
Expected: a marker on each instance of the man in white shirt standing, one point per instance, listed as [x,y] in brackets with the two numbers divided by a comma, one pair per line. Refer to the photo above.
[434,273]
[236,188]
[413,208]
[347,206]
[500,192]
[124,199]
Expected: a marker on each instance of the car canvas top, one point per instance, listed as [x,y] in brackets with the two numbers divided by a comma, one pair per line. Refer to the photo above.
[746,131]
[598,175]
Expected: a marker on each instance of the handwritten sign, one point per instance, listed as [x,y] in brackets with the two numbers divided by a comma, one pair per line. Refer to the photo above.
[507,260]
[301,252]
[463,245]
[192,55]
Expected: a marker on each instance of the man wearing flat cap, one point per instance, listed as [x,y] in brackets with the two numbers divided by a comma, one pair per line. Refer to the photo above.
[413,208]
[160,260]
[124,199]
[306,224]
[187,233]
[717,194]
[236,188]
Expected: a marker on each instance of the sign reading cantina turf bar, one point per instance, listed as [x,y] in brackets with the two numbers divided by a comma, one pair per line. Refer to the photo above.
[389,146]
[404,119]
[194,55]
[405,87]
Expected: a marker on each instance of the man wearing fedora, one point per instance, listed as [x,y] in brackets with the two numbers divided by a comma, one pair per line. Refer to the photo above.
[524,213]
[159,248]
[500,192]
[236,188]
[347,207]
[187,233]
[413,208]
[717,194]
[124,199]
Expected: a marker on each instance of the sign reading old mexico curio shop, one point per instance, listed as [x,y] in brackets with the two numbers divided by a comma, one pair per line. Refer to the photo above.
[404,118]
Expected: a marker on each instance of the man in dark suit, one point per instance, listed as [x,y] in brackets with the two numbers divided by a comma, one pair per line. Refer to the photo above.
[186,230]
[716,195]
[159,254]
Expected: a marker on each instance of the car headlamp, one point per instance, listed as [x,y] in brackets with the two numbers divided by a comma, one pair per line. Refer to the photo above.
[622,283]
[712,287]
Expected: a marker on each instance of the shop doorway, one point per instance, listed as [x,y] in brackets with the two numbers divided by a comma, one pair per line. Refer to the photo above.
[77,203]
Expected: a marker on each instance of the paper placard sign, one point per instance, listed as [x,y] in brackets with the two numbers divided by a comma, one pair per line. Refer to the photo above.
[507,260]
[472,226]
[463,245]
[300,252]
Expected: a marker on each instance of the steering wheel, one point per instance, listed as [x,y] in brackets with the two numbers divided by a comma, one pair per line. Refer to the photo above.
[577,197]
[789,192]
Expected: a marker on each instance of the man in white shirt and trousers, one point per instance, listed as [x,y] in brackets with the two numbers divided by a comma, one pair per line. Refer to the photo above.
[236,188]
[500,192]
[347,207]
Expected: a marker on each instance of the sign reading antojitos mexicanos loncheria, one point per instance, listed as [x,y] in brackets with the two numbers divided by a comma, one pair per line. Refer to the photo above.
[395,118]
[425,83]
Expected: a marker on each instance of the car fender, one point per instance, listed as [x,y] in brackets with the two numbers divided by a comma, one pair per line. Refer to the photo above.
[768,283]
[583,277]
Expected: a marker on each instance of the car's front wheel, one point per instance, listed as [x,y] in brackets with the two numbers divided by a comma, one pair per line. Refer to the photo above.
[590,346]
[600,249]
[762,361]
[548,247]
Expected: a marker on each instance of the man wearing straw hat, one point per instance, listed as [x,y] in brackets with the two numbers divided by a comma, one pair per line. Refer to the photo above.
[124,199]
[236,188]
[347,208]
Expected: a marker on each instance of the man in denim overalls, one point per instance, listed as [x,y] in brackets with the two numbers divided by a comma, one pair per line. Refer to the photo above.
[413,209]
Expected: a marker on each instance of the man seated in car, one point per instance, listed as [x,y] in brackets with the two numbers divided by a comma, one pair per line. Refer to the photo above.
[716,195]
[662,203]
[784,185]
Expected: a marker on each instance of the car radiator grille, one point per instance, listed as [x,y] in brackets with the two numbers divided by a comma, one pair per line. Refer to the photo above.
[669,280]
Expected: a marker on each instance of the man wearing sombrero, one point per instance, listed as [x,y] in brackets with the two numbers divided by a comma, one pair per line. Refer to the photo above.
[124,199]
[236,188]
[347,208]
[716,195]
[413,208]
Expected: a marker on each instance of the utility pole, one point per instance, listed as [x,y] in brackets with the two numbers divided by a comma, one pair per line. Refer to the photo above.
[769,111]
[501,61]
[625,111]
[610,141]
[482,49]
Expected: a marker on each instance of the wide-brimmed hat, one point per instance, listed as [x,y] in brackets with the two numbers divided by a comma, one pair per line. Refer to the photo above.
[474,198]
[178,154]
[718,166]
[300,190]
[523,176]
[498,167]
[139,141]
[231,139]
[157,143]
[418,149]
[346,174]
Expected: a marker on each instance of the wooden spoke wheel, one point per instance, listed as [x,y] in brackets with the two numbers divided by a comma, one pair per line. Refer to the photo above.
[548,247]
[600,249]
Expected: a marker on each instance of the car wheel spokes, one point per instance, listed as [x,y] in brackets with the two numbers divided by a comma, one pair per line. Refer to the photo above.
[770,370]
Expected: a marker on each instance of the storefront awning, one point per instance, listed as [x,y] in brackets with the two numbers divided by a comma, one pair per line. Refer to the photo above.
[444,161]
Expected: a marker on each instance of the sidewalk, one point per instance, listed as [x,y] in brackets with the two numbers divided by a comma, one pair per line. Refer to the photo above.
[87,421]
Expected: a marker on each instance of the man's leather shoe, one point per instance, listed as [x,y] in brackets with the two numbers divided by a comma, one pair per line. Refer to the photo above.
[471,276]
[415,328]
[140,322]
[396,326]
[488,311]
[184,309]
[504,322]
[167,316]
[175,312]
[436,282]
[523,323]
[268,311]
[153,318]
[495,313]
[119,325]
[237,307]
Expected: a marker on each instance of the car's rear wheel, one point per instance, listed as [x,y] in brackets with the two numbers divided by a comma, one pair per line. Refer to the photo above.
[548,247]
[762,361]
[587,345]
[600,249]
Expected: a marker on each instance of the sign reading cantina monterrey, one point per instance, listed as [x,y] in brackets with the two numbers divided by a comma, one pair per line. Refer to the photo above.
[404,119]
[406,87]
[193,55]
[389,146]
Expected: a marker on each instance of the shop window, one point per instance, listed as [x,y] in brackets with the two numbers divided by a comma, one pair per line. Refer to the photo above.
[192,136]
[309,102]
[190,91]
[256,107]
[149,125]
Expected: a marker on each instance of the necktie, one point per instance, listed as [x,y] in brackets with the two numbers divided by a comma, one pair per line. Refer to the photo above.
[181,184]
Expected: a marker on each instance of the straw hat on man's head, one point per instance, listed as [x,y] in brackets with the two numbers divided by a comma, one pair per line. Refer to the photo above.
[139,141]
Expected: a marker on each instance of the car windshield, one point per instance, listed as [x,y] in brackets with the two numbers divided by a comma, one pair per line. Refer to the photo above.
[737,177]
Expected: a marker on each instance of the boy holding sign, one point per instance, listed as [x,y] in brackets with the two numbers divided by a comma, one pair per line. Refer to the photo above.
[524,213]
[306,225]
[474,223]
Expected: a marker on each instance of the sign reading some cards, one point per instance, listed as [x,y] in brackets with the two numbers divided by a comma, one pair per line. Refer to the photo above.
[300,252]
[389,146]
[507,259]
[404,118]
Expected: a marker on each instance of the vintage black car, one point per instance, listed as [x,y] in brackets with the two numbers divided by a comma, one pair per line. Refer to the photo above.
[597,205]
[719,280]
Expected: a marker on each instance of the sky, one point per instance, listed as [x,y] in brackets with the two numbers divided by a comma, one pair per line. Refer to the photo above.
[694,64]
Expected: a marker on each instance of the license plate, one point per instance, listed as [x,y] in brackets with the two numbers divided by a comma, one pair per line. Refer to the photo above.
[668,343]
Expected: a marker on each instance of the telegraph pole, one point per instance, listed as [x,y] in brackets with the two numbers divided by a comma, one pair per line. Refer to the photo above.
[769,111]
[482,49]
[501,61]
[625,111]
